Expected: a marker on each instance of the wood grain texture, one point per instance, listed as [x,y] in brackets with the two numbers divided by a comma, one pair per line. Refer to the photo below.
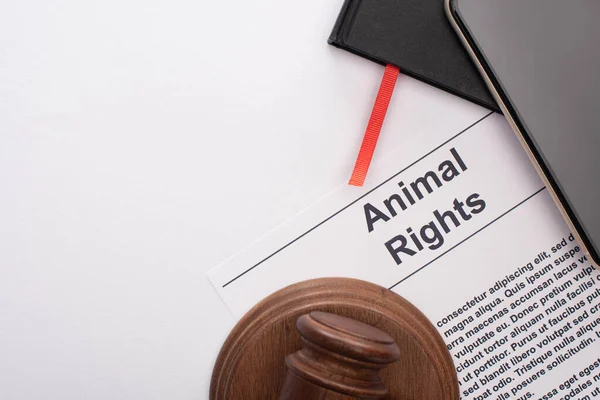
[251,364]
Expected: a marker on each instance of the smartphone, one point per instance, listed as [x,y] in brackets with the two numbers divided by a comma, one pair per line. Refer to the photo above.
[541,61]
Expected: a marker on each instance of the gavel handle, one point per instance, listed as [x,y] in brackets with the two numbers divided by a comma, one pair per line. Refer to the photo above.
[296,388]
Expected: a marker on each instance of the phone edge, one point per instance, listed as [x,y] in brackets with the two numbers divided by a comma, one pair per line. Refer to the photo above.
[517,131]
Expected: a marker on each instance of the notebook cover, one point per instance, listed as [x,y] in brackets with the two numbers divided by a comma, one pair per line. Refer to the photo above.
[415,36]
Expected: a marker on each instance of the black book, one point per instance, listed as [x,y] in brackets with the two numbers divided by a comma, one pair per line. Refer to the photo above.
[415,36]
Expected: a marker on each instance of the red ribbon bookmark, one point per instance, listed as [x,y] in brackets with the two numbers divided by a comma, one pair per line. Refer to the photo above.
[374,127]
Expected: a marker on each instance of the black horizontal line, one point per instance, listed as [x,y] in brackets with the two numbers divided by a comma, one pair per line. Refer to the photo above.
[467,238]
[355,201]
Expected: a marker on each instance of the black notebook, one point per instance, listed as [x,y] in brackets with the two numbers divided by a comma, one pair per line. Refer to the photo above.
[415,36]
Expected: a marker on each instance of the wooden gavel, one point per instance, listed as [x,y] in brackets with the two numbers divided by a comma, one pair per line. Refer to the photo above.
[341,360]
[334,339]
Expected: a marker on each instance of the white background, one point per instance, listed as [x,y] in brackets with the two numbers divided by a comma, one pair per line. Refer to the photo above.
[141,144]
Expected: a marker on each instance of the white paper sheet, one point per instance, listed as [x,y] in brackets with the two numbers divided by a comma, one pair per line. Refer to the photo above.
[484,253]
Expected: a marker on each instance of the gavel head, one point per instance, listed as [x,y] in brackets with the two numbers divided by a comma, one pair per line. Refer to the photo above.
[341,359]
